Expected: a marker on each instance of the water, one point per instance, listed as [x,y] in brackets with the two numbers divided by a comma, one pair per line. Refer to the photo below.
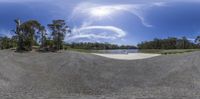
[118,51]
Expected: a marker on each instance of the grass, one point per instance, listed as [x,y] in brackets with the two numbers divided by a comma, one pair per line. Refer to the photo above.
[165,52]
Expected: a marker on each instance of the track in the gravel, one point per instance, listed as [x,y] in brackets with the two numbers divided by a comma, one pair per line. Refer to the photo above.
[73,75]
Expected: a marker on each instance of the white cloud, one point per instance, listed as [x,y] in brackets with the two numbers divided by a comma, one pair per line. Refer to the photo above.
[94,12]
[160,3]
[6,33]
[191,39]
[93,32]
[90,31]
[119,32]
[91,10]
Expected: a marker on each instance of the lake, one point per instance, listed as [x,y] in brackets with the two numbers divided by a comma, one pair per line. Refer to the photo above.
[117,51]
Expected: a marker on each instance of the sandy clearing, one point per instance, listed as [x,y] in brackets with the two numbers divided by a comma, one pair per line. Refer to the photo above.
[130,56]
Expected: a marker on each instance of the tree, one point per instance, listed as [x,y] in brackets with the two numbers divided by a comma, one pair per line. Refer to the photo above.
[14,41]
[29,29]
[25,33]
[18,32]
[59,30]
[43,39]
[98,46]
[169,43]
[7,43]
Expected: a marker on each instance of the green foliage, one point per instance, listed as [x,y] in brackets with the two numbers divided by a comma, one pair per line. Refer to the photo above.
[98,46]
[7,43]
[169,43]
[167,51]
[25,32]
[43,39]
[59,30]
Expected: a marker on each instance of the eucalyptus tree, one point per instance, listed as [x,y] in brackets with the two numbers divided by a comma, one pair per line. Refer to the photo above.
[29,29]
[59,30]
[26,33]
[43,34]
[19,35]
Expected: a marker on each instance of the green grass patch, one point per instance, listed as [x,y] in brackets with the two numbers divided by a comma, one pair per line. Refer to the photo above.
[165,52]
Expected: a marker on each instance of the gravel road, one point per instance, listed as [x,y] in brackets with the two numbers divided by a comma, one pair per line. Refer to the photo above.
[74,75]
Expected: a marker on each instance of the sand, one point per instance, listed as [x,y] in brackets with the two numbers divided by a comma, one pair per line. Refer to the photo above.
[130,56]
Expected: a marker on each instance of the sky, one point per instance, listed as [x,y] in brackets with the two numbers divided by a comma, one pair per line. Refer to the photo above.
[115,21]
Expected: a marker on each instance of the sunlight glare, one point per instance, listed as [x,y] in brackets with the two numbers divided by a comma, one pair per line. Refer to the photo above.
[100,11]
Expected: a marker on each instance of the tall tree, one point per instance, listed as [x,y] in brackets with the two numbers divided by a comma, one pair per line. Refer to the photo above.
[59,30]
[29,29]
[26,34]
[18,32]
[43,33]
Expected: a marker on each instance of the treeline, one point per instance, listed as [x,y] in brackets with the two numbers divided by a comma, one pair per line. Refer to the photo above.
[31,32]
[170,43]
[6,43]
[97,46]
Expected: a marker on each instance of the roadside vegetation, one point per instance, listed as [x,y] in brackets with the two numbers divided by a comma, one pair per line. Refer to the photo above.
[167,52]
[169,45]
[31,34]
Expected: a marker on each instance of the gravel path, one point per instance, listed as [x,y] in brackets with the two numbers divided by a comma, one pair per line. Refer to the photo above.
[73,75]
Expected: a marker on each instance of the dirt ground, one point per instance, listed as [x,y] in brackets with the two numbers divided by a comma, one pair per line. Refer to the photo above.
[74,75]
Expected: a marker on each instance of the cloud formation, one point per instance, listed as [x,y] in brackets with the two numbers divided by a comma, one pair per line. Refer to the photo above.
[96,32]
[5,33]
[98,20]
[97,12]
[138,10]
[135,9]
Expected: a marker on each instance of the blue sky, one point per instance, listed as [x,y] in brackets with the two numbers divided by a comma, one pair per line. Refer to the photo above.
[114,21]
